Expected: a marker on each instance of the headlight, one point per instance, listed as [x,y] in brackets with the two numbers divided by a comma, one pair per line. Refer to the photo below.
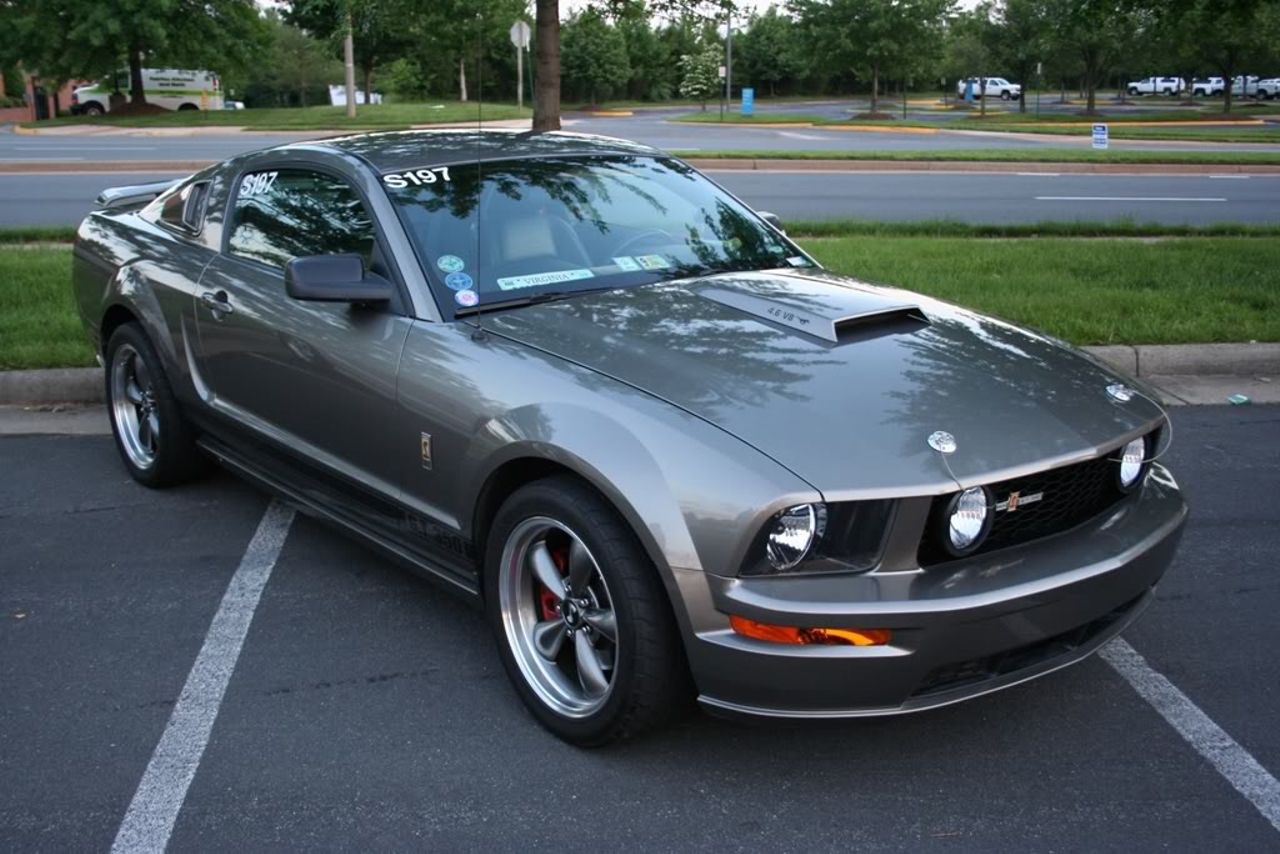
[792,533]
[1133,463]
[968,518]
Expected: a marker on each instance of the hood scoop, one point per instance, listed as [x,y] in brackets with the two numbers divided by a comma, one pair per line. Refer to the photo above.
[842,316]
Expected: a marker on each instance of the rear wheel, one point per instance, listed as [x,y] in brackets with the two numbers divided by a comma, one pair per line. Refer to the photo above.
[581,618]
[155,441]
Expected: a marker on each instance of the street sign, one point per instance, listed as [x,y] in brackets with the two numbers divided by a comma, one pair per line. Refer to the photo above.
[748,100]
[1100,137]
[520,34]
[721,72]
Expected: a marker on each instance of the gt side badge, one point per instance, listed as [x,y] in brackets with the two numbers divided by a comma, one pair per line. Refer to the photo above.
[426,451]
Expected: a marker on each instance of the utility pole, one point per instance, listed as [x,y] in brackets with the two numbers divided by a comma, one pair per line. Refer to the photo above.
[349,60]
[728,58]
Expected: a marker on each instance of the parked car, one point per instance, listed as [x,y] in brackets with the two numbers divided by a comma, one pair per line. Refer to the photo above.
[990,87]
[574,380]
[1268,88]
[1207,87]
[1157,86]
[1244,86]
[170,88]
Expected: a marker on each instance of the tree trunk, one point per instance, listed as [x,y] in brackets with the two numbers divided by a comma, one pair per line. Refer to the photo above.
[137,92]
[349,67]
[368,83]
[982,96]
[462,79]
[546,88]
[875,87]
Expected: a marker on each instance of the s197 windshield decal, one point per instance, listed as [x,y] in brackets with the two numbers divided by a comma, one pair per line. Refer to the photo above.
[416,177]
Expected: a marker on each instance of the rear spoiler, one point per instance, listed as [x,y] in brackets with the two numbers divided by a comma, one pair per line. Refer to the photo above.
[134,195]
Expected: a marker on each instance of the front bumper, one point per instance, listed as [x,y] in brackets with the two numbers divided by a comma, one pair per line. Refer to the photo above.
[959,630]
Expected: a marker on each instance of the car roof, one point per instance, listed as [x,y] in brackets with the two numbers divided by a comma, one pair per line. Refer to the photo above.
[390,151]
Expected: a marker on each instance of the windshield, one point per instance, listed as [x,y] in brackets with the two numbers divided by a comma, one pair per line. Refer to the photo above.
[520,230]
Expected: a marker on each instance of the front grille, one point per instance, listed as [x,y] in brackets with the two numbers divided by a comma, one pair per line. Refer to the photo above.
[978,670]
[1070,495]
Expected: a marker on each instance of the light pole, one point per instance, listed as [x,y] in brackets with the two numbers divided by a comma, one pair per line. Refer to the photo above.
[349,61]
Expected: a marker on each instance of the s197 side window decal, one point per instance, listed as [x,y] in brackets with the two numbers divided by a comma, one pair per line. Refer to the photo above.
[258,183]
[416,177]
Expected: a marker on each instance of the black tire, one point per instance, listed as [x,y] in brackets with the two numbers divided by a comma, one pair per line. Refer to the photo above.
[93,109]
[174,457]
[187,107]
[1133,90]
[649,677]
[1004,96]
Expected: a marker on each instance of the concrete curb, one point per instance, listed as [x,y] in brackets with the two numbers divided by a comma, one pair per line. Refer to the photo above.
[85,385]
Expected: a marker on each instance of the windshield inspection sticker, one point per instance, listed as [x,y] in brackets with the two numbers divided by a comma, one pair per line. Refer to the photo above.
[450,263]
[511,283]
[798,261]
[626,262]
[652,262]
[466,298]
[416,177]
[458,281]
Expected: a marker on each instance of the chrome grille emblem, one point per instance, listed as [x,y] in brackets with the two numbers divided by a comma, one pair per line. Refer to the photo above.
[1016,500]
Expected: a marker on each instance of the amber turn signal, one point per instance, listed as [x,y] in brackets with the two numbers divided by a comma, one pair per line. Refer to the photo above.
[803,636]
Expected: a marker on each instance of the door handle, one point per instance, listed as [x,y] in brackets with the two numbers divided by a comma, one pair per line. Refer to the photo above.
[216,302]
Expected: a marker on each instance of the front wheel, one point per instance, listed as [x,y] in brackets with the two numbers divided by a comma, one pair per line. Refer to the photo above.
[581,618]
[1004,96]
[155,441]
[1133,90]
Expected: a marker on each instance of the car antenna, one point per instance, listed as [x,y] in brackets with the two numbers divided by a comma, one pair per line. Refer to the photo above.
[479,160]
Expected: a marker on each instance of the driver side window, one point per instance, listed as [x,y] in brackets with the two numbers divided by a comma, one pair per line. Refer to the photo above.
[282,214]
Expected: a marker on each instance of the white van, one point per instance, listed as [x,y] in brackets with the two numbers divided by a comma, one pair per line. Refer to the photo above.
[171,88]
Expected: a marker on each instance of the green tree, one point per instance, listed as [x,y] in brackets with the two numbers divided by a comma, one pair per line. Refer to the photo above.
[968,49]
[594,55]
[876,39]
[700,74]
[653,74]
[378,29]
[1234,36]
[767,52]
[65,39]
[1096,33]
[1018,36]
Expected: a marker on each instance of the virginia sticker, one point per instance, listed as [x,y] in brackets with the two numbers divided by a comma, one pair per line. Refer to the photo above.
[450,263]
[458,281]
[511,283]
[466,298]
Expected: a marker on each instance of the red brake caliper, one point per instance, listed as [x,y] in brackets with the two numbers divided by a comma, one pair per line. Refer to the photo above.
[546,599]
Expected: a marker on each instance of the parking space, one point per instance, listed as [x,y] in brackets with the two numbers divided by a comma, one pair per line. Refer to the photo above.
[369,710]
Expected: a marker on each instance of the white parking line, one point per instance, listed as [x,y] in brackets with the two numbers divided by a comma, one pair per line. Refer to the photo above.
[1126,199]
[1233,762]
[149,820]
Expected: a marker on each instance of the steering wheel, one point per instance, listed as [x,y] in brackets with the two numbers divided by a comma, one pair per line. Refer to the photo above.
[649,234]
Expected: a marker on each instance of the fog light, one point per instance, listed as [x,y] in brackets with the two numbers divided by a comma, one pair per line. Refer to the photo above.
[968,519]
[1132,464]
[808,636]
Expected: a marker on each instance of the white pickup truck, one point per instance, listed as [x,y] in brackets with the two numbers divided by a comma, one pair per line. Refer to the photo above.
[1268,88]
[995,87]
[1157,86]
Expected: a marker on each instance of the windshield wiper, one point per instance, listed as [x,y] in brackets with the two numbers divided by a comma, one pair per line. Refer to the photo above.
[519,302]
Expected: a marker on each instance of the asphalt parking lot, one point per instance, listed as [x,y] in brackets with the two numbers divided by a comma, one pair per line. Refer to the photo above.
[368,709]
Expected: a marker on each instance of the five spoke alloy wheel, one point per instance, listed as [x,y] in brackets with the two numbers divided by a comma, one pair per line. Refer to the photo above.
[558,616]
[133,407]
[583,623]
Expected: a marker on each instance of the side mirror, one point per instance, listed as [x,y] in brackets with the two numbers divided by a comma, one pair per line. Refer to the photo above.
[772,219]
[334,278]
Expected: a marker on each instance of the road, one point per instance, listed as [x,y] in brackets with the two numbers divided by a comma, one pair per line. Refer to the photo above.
[369,710]
[64,199]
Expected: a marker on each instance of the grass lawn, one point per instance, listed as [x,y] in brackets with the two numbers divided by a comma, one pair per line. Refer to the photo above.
[998,155]
[312,118]
[39,327]
[1099,291]
[1171,291]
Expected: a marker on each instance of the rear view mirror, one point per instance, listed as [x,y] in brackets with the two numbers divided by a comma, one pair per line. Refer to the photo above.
[772,219]
[334,278]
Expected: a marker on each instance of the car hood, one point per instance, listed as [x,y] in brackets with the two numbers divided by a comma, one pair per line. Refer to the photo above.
[843,382]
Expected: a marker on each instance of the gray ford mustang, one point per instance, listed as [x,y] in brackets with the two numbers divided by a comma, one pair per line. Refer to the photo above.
[575,380]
